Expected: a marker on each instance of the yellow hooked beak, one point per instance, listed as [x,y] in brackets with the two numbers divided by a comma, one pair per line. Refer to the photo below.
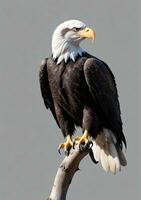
[87,33]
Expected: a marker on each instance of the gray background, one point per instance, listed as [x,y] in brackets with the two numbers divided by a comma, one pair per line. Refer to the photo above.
[29,136]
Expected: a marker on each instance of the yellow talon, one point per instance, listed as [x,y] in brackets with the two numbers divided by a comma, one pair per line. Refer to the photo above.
[84,139]
[66,145]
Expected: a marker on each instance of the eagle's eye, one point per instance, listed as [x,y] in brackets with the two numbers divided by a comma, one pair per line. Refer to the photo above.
[76,29]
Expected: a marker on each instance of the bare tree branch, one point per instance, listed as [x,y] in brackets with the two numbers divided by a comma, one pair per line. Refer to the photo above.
[65,173]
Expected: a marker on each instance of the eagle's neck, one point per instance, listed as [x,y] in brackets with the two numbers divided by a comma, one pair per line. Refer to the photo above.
[64,50]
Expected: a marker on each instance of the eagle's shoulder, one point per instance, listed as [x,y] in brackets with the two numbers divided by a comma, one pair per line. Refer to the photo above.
[99,66]
[95,62]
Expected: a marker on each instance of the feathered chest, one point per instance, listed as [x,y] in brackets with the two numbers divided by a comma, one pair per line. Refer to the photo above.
[67,81]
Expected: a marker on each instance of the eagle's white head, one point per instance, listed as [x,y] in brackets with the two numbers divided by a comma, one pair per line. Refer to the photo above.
[66,39]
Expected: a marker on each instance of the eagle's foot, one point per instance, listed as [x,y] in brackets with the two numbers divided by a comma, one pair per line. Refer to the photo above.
[66,145]
[83,141]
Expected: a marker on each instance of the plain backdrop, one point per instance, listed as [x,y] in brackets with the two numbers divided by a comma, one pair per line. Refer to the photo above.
[29,136]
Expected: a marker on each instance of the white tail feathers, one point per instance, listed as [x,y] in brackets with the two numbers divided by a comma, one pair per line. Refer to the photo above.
[105,150]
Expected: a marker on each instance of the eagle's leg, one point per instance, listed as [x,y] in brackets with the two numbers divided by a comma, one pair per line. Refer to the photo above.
[66,145]
[83,141]
[90,125]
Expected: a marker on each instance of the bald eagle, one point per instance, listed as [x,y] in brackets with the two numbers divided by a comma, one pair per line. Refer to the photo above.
[80,90]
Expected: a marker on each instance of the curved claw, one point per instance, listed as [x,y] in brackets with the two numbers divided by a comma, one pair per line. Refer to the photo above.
[66,146]
[89,144]
[91,154]
[59,151]
[74,143]
[61,146]
[67,151]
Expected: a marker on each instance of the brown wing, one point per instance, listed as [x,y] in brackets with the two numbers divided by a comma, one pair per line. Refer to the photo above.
[45,89]
[102,87]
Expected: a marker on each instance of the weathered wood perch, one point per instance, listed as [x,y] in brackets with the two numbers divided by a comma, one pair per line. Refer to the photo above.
[65,173]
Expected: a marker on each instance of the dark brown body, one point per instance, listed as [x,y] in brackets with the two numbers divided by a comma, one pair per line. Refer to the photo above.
[82,93]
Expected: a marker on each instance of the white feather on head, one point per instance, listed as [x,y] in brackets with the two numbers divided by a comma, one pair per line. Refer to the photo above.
[67,46]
